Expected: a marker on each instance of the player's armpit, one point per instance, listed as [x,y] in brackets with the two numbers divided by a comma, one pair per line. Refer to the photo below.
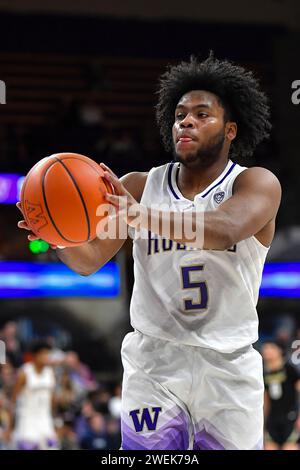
[255,202]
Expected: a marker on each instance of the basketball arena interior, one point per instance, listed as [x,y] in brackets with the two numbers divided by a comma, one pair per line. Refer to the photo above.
[82,77]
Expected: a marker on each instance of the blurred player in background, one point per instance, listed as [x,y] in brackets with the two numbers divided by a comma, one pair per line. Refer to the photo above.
[282,383]
[33,398]
[191,376]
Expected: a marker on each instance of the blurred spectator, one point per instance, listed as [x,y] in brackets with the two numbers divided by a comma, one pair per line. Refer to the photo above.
[67,436]
[7,378]
[9,334]
[81,376]
[4,420]
[82,421]
[101,400]
[113,434]
[96,437]
[282,385]
[65,394]
[78,397]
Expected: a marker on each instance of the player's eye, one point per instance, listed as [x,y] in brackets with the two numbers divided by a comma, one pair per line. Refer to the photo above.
[180,116]
[204,115]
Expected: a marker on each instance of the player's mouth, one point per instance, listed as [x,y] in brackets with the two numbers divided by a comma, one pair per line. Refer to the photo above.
[184,139]
[185,135]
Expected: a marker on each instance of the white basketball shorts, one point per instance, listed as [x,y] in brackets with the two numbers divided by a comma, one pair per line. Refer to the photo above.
[179,397]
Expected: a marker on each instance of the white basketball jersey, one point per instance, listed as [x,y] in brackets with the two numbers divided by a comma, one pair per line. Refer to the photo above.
[34,405]
[196,297]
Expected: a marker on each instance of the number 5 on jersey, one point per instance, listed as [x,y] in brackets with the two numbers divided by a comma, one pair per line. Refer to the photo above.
[201,286]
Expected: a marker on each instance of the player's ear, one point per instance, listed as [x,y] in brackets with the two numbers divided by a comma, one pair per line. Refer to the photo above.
[230,130]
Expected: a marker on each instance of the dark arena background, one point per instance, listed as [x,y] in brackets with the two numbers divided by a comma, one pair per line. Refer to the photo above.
[81,77]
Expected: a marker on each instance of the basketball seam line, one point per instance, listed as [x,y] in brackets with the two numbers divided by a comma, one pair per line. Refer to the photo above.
[47,207]
[80,195]
[76,158]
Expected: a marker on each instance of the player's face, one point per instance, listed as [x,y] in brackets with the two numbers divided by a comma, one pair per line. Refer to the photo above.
[42,357]
[199,129]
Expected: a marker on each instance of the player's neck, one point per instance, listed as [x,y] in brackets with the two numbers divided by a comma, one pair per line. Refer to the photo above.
[192,181]
[38,368]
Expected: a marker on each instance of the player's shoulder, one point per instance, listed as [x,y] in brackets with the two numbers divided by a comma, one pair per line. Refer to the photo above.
[258,177]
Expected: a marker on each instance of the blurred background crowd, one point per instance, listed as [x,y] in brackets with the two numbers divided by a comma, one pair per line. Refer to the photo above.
[81,77]
[86,411]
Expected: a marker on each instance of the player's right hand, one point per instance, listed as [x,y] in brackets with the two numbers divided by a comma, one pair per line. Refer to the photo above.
[23,224]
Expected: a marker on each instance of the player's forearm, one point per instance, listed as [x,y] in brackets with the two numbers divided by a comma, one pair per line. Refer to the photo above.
[82,259]
[202,230]
[88,258]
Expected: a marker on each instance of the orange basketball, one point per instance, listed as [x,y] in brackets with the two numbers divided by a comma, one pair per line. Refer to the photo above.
[60,196]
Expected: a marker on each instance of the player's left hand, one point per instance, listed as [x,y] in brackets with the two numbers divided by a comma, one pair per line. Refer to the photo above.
[122,200]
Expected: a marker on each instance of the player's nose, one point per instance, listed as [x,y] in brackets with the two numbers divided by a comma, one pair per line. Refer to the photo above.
[186,122]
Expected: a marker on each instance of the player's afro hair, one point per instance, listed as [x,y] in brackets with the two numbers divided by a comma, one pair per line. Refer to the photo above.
[237,90]
[39,345]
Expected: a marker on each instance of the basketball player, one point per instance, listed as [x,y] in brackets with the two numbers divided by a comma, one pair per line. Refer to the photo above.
[282,383]
[192,379]
[32,396]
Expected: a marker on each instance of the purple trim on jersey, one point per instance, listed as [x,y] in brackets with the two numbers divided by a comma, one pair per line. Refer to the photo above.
[203,195]
[204,441]
[259,445]
[219,182]
[173,435]
[27,445]
[170,180]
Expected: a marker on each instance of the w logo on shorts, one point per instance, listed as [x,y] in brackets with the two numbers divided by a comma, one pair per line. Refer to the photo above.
[146,418]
